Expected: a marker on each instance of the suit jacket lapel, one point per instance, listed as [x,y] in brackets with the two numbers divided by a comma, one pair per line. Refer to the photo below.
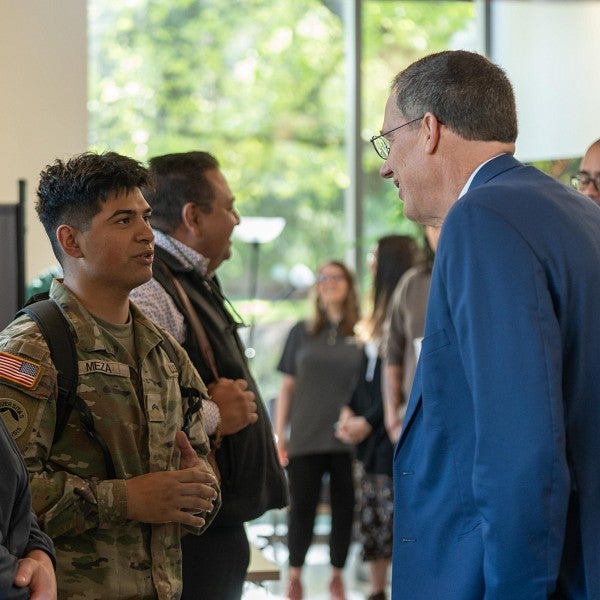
[413,404]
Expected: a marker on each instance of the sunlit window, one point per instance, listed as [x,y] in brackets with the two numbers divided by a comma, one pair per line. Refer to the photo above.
[261,84]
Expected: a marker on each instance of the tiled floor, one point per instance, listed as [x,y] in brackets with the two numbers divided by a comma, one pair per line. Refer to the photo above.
[269,534]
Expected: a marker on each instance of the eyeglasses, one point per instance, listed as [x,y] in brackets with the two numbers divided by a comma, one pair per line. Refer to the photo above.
[380,143]
[323,278]
[583,178]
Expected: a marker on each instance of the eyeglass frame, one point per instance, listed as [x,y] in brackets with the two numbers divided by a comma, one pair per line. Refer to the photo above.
[321,278]
[381,136]
[577,183]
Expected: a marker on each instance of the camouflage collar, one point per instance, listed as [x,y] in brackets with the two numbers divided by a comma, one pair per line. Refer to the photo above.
[90,336]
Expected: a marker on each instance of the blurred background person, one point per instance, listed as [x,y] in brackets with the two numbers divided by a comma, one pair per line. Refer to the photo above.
[404,332]
[362,422]
[319,363]
[587,179]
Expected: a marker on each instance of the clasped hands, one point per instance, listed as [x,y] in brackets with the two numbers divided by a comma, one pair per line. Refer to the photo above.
[351,428]
[174,496]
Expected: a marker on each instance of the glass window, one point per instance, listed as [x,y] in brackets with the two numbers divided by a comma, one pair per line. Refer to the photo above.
[261,84]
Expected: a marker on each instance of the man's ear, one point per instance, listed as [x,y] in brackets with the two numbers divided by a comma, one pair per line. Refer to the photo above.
[192,218]
[69,238]
[432,128]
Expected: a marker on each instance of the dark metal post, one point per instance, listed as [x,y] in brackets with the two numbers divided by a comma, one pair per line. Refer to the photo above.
[21,230]
[254,255]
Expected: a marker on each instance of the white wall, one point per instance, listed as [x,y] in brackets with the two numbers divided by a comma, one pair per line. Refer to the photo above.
[550,51]
[43,113]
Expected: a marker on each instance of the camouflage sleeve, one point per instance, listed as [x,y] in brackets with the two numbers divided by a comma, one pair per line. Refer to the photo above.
[65,503]
[189,377]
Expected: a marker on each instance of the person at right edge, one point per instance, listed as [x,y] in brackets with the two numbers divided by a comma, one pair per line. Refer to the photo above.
[496,478]
[193,214]
[587,179]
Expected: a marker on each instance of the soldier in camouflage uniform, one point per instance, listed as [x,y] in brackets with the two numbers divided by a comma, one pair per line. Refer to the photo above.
[116,537]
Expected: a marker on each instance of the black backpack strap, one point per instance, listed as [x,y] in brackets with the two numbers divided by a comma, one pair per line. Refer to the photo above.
[57,333]
[87,422]
[58,336]
[192,395]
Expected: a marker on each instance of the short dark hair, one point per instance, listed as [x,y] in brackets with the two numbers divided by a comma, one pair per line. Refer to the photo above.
[464,90]
[178,179]
[72,191]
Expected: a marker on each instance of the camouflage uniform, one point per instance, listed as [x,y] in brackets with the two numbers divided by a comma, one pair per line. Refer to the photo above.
[137,409]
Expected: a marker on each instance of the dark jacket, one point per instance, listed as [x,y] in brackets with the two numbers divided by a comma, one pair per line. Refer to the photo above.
[376,451]
[19,530]
[252,480]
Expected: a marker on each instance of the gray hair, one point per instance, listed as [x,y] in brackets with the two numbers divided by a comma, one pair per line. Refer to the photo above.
[464,90]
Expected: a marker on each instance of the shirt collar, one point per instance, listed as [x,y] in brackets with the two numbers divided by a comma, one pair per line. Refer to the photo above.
[190,258]
[470,180]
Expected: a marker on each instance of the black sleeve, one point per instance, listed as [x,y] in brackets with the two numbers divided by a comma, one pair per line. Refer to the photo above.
[287,363]
[366,398]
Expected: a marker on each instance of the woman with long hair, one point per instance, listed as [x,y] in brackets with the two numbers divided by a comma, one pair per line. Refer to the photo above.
[319,365]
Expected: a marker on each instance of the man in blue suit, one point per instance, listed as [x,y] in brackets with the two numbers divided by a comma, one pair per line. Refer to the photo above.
[497,470]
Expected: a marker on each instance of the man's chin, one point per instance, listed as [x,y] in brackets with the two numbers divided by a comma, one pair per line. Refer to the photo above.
[141,280]
[410,211]
[227,255]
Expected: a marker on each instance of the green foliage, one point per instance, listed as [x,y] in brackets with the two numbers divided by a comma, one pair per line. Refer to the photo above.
[394,35]
[261,85]
[272,322]
[561,169]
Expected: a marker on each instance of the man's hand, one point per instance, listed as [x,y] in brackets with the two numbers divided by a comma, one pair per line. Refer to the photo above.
[173,496]
[188,456]
[236,403]
[36,572]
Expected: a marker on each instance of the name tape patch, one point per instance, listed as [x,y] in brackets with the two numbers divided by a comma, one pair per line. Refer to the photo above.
[102,366]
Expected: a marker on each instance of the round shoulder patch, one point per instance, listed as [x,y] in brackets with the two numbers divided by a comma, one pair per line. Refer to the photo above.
[14,416]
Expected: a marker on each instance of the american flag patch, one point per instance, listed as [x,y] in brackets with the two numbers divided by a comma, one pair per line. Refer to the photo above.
[19,370]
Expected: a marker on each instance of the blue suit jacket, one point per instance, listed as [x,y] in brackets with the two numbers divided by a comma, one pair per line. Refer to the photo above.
[497,470]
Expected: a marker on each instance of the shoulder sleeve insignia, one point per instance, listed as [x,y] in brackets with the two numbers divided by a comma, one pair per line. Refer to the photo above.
[19,370]
[14,416]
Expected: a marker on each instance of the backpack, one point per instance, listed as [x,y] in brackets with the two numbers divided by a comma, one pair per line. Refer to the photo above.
[57,332]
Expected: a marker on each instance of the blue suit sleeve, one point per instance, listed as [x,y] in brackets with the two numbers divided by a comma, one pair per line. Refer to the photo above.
[501,304]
